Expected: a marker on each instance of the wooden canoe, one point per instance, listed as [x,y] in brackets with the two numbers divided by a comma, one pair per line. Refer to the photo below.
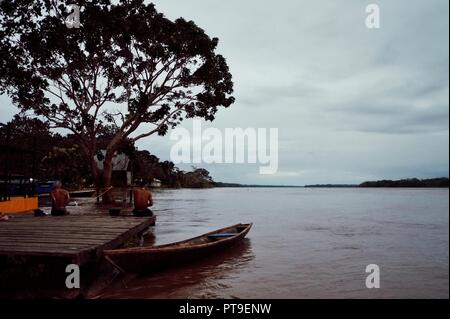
[145,259]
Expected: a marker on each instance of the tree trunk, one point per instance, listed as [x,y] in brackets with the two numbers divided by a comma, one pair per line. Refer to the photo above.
[90,154]
[107,175]
[94,170]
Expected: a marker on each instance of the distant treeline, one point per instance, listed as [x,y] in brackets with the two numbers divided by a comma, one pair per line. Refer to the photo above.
[221,184]
[410,182]
[332,185]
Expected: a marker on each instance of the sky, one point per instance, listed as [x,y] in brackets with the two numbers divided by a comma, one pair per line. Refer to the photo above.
[350,103]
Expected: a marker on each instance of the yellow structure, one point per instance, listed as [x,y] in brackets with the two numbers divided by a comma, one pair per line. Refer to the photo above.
[19,205]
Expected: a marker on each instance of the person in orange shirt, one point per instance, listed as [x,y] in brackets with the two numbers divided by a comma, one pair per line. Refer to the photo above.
[142,201]
[60,198]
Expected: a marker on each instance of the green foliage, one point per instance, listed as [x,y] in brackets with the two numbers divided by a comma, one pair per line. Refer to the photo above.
[60,158]
[125,52]
[148,166]
[409,182]
[23,144]
[66,165]
[198,178]
[125,66]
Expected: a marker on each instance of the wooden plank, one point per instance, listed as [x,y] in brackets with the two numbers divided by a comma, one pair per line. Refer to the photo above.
[65,240]
[80,217]
[26,238]
[74,225]
[45,227]
[98,221]
[104,237]
[52,251]
[80,238]
[76,220]
[15,236]
[92,228]
[76,257]
[102,222]
[60,231]
[122,238]
[69,226]
[48,246]
[31,252]
[62,234]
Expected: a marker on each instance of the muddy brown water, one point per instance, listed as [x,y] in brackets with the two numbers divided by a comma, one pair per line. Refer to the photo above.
[305,243]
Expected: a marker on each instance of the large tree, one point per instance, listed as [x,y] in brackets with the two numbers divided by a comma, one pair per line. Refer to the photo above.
[124,67]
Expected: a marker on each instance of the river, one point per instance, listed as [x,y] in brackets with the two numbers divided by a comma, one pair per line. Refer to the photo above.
[305,243]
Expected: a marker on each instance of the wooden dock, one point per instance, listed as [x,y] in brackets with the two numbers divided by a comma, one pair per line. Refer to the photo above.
[80,238]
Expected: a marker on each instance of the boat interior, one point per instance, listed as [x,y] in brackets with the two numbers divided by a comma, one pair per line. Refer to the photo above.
[217,235]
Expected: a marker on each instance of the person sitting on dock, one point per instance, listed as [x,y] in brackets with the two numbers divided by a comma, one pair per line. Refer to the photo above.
[142,201]
[60,198]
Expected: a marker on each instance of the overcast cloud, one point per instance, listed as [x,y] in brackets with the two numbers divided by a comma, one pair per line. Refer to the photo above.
[351,103]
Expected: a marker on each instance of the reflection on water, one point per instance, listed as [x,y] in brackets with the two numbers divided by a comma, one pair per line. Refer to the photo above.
[200,279]
[305,243]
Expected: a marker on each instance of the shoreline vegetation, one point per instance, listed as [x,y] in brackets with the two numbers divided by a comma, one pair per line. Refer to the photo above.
[59,158]
[441,182]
